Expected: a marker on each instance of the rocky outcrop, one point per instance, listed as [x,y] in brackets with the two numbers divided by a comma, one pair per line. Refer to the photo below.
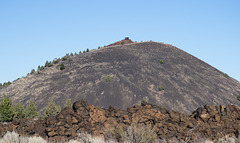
[122,42]
[212,122]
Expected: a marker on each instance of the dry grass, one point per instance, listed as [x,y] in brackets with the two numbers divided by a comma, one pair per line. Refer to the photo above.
[136,133]
[12,137]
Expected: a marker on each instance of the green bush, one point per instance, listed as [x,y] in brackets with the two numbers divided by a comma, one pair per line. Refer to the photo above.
[160,88]
[122,43]
[226,75]
[161,62]
[62,67]
[135,133]
[144,101]
[51,109]
[70,59]
[68,103]
[108,79]
[238,97]
[31,110]
[6,109]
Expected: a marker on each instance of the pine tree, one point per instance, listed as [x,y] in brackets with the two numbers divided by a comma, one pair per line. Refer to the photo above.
[19,111]
[46,64]
[68,103]
[52,109]
[31,110]
[6,109]
[32,71]
[5,84]
[39,68]
[64,58]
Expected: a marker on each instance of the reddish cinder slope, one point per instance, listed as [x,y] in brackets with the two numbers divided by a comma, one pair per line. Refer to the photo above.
[122,42]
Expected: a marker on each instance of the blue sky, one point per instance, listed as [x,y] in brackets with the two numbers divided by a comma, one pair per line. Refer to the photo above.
[32,31]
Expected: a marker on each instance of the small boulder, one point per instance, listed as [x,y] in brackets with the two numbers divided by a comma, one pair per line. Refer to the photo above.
[52,133]
[80,103]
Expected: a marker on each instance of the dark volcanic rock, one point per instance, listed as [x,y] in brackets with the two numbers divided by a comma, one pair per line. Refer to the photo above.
[181,82]
[208,122]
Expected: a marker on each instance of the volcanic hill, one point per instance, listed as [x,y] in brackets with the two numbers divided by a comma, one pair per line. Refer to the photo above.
[121,75]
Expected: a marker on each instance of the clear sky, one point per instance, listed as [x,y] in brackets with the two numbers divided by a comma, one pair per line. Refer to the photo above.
[33,31]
